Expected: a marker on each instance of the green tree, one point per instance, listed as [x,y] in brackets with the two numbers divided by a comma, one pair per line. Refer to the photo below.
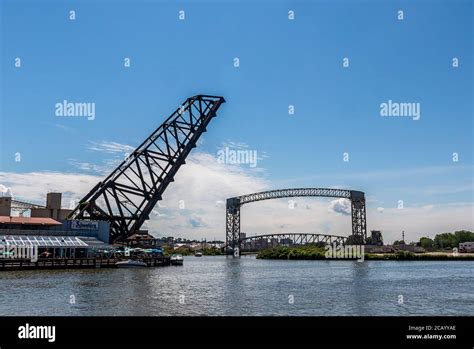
[464,236]
[445,240]
[426,242]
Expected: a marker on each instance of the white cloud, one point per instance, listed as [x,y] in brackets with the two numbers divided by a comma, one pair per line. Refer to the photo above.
[380,209]
[110,147]
[340,205]
[204,184]
[116,152]
[33,186]
[105,167]
[236,146]
[275,216]
[5,191]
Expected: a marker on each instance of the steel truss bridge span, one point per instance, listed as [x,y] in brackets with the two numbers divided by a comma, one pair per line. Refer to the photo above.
[128,195]
[291,239]
[358,212]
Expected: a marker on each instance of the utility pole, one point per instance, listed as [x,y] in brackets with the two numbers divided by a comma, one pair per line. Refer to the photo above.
[403,236]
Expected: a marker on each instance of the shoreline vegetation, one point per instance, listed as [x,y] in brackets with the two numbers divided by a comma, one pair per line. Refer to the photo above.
[319,253]
[186,251]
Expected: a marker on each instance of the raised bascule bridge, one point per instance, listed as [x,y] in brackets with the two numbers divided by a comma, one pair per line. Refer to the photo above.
[128,195]
[234,239]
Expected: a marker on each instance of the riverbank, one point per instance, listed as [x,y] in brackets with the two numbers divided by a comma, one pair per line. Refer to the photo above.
[431,256]
[319,253]
[186,251]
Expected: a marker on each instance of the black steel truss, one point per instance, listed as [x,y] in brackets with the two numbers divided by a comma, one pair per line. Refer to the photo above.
[298,192]
[267,240]
[359,225]
[21,205]
[357,198]
[129,194]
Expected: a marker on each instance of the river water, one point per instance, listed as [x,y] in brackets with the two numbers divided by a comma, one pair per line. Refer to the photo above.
[226,286]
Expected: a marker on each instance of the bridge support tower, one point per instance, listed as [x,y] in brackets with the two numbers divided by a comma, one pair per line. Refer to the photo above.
[358,212]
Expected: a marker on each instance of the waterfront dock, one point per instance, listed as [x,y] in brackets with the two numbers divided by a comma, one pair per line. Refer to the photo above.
[75,263]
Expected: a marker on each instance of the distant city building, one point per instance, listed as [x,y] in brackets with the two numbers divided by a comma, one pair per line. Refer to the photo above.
[142,239]
[53,208]
[376,238]
[5,206]
[50,219]
[49,230]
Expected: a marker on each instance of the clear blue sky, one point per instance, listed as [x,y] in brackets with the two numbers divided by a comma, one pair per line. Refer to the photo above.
[282,62]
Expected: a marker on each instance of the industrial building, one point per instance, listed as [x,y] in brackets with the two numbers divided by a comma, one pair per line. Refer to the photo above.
[49,230]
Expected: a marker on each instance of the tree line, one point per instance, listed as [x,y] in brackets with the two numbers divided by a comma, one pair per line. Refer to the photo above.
[447,240]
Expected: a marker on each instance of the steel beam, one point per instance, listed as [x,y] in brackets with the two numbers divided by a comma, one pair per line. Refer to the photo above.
[129,194]
[296,238]
[357,198]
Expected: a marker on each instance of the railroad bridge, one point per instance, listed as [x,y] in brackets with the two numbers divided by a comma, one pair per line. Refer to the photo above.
[259,242]
[357,198]
[129,193]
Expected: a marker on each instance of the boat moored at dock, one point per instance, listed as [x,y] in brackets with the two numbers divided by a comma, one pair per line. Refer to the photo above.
[130,263]
[176,259]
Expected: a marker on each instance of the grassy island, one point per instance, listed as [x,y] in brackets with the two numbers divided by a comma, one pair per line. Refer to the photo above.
[186,251]
[319,253]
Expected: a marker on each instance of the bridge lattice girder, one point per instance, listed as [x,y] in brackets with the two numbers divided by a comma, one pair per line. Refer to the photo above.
[128,195]
[299,192]
[357,198]
[296,238]
[21,205]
